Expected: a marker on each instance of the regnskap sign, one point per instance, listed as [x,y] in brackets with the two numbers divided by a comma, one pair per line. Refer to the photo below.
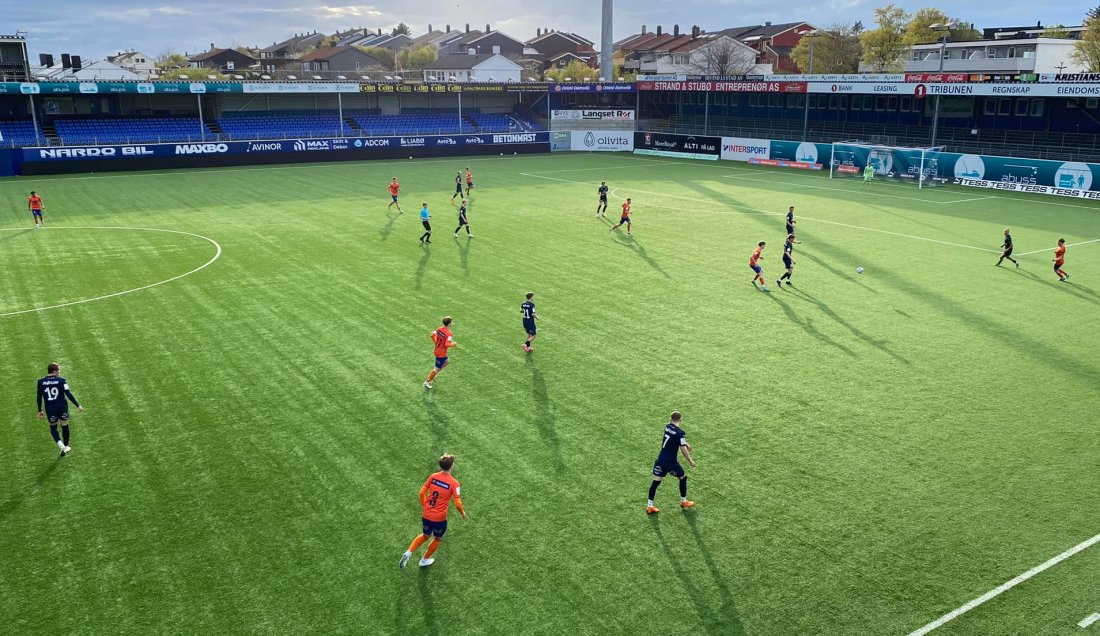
[593,114]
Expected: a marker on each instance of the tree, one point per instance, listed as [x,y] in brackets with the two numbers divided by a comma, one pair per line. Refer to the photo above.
[384,56]
[170,60]
[1058,31]
[884,45]
[723,56]
[575,71]
[1086,51]
[191,74]
[401,29]
[919,29]
[415,59]
[836,50]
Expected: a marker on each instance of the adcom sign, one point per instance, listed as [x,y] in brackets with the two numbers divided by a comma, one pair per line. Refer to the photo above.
[601,141]
[744,149]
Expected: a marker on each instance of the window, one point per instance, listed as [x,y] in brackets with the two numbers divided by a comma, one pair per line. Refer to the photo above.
[892,103]
[773,100]
[229,66]
[906,104]
[880,103]
[1037,107]
[1005,107]
[990,107]
[1021,107]
[834,102]
[1091,102]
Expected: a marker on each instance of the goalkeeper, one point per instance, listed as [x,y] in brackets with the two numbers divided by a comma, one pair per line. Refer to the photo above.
[868,174]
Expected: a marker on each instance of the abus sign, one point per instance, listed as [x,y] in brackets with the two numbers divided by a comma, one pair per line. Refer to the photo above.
[601,141]
[201,149]
[742,149]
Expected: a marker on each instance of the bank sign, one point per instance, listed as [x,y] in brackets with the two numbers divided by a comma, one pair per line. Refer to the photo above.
[214,148]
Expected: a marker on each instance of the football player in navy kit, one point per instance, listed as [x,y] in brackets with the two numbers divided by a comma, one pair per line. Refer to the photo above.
[668,464]
[53,391]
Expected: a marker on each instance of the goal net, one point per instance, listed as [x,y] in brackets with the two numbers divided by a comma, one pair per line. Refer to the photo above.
[918,166]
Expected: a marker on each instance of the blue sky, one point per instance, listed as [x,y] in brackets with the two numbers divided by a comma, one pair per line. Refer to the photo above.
[96,29]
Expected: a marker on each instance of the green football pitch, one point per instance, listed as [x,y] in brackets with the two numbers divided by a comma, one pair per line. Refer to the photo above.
[874,450]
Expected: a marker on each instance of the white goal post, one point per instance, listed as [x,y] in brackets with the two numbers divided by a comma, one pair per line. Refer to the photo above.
[919,166]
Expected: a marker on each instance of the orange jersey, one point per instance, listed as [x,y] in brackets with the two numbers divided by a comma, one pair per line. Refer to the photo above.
[443,339]
[755,257]
[626,210]
[35,202]
[436,496]
[395,188]
[1060,253]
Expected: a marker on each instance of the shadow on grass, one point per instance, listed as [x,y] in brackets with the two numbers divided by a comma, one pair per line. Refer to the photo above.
[825,309]
[723,620]
[1002,332]
[1067,287]
[545,419]
[807,325]
[439,423]
[834,271]
[431,620]
[11,235]
[627,241]
[387,229]
[18,498]
[464,252]
[422,265]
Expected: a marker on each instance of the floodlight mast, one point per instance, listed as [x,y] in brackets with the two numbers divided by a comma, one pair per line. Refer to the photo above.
[607,42]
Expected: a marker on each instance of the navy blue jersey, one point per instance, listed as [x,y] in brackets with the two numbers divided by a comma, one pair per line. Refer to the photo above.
[673,440]
[462,212]
[790,217]
[53,390]
[603,192]
[1008,241]
[788,248]
[528,309]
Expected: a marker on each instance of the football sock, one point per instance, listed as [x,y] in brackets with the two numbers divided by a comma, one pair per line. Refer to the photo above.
[653,490]
[432,547]
[53,431]
[417,542]
[65,434]
[684,488]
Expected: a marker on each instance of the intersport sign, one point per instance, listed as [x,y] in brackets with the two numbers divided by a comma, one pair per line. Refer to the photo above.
[745,149]
[601,141]
[593,114]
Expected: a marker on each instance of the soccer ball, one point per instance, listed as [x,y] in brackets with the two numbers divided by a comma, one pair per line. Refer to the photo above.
[859,270]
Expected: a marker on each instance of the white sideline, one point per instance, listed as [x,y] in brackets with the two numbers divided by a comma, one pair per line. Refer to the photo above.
[1050,249]
[997,591]
[217,255]
[1089,620]
[759,211]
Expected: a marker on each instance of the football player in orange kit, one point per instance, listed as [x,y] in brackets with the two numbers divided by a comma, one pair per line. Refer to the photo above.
[435,497]
[1060,260]
[395,189]
[444,340]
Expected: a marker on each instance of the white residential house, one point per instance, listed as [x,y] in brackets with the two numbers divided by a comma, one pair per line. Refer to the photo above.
[98,70]
[136,62]
[493,67]
[1001,55]
[701,54]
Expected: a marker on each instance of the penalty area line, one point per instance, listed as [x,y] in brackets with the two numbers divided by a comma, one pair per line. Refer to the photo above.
[1069,245]
[1004,587]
